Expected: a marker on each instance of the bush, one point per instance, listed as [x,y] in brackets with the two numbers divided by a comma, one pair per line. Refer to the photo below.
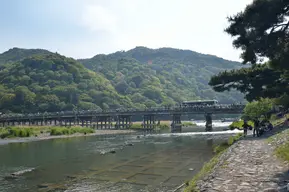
[10,132]
[239,124]
[69,131]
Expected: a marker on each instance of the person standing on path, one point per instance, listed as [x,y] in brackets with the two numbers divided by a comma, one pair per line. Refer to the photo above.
[256,128]
[245,127]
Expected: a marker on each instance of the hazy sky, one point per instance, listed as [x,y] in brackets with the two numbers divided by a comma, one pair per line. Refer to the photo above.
[84,28]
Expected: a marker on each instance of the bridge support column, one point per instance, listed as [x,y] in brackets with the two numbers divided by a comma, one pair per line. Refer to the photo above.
[209,124]
[149,122]
[176,126]
[107,122]
[97,123]
[122,122]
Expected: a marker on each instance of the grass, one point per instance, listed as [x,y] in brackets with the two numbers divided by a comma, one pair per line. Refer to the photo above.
[280,140]
[162,125]
[28,131]
[208,167]
[70,131]
[11,132]
[283,151]
[188,124]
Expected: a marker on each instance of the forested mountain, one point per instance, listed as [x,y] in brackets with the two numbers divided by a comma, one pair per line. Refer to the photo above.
[33,80]
[51,82]
[16,54]
[163,76]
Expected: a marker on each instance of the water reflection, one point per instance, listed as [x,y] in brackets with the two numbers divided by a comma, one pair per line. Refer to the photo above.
[149,163]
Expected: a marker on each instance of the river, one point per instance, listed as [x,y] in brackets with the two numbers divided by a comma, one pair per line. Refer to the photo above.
[134,162]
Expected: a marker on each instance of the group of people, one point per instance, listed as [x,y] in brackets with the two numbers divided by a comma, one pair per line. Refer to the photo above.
[259,127]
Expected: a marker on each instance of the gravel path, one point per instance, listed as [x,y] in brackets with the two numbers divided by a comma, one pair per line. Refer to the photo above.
[248,165]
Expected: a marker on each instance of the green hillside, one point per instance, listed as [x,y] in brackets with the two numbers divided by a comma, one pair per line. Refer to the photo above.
[36,80]
[16,54]
[51,82]
[163,76]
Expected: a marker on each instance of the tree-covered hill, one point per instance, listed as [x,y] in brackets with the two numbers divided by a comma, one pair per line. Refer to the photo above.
[33,80]
[51,82]
[163,76]
[16,54]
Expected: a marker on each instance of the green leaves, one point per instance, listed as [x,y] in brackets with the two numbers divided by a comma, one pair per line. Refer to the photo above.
[260,31]
[256,109]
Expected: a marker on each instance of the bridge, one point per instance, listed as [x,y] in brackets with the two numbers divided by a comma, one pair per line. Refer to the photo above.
[104,119]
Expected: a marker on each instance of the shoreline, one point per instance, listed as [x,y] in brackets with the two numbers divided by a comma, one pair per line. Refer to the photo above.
[237,168]
[46,136]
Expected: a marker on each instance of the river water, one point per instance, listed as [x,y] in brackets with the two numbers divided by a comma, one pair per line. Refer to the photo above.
[135,162]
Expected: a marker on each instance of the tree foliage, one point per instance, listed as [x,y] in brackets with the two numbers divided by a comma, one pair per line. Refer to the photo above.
[51,82]
[256,109]
[39,81]
[260,31]
[163,76]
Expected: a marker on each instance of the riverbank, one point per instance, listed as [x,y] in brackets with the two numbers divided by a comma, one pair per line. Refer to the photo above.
[249,165]
[46,136]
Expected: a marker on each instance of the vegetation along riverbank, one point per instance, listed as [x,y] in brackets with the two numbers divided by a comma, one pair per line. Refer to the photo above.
[32,133]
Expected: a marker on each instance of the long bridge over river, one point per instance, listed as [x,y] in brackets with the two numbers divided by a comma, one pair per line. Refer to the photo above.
[104,119]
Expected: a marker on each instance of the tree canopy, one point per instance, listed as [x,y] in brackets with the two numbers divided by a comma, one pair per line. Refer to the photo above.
[52,82]
[260,31]
[256,109]
[163,76]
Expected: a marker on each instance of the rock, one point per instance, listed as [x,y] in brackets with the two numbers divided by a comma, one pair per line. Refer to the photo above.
[70,177]
[112,151]
[42,186]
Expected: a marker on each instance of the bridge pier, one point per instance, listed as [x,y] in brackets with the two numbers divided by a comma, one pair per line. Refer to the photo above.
[104,122]
[123,122]
[149,122]
[176,126]
[209,124]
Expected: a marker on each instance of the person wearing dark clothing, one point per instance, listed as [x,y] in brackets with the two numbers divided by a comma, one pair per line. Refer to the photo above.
[245,128]
[270,126]
[256,128]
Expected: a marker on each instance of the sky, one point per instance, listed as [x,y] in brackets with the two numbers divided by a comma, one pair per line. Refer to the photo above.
[84,28]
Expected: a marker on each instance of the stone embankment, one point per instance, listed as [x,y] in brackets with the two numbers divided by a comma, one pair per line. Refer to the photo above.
[249,165]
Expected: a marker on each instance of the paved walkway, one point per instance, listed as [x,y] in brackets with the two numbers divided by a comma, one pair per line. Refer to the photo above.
[249,165]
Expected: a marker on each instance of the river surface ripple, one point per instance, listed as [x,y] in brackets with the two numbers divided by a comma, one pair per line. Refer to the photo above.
[151,162]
